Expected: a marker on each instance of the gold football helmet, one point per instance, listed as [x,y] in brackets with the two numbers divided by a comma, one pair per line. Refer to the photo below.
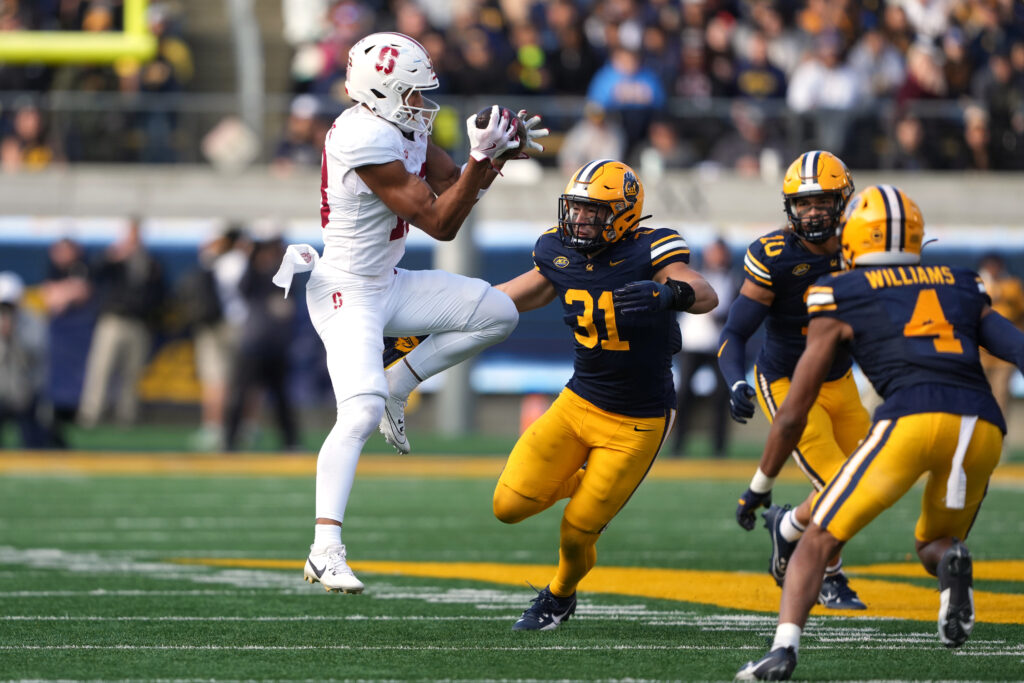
[814,174]
[882,226]
[602,202]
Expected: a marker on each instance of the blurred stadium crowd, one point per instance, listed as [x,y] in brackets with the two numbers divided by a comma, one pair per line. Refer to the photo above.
[894,84]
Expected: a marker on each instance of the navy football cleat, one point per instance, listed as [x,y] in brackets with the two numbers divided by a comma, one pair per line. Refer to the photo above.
[777,665]
[546,612]
[781,548]
[836,593]
[956,595]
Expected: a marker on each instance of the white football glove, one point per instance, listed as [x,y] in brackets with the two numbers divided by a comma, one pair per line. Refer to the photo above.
[531,134]
[491,142]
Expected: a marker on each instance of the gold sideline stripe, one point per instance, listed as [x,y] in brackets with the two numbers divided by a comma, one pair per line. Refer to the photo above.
[734,590]
[89,463]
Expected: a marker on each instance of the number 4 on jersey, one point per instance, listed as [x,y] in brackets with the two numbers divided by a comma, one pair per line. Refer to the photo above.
[928,320]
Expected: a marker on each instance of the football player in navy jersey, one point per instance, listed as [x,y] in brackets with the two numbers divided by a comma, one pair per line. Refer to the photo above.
[779,268]
[915,331]
[620,286]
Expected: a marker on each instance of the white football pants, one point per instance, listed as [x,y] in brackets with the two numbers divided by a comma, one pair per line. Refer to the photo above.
[352,314]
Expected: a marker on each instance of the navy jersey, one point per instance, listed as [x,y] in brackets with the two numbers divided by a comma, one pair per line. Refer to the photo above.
[780,262]
[915,336]
[619,366]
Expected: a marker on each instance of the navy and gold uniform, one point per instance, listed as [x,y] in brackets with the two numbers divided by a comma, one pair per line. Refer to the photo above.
[618,406]
[916,338]
[618,367]
[597,441]
[780,262]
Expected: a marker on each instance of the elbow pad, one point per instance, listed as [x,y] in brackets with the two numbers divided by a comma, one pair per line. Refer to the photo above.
[745,316]
[1001,338]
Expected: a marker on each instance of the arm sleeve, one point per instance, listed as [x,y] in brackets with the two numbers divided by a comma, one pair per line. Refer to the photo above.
[745,316]
[1002,338]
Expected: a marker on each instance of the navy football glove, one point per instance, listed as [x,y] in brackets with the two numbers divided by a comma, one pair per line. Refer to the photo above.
[746,511]
[644,296]
[741,407]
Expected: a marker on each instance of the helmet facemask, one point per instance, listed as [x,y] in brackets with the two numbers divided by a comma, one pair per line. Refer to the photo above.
[585,224]
[820,227]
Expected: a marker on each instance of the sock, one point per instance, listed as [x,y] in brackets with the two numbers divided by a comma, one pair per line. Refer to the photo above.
[326,535]
[835,568]
[787,635]
[401,380]
[791,529]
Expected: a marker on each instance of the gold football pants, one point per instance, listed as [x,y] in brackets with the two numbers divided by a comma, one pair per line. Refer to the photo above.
[835,425]
[545,466]
[957,452]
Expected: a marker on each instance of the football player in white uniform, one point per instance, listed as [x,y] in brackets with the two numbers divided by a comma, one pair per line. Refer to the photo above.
[381,174]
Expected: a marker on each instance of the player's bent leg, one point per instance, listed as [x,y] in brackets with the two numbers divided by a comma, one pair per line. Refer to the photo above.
[577,555]
[512,507]
[805,574]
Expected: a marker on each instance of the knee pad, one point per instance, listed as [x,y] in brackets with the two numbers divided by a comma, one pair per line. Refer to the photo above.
[495,316]
[359,415]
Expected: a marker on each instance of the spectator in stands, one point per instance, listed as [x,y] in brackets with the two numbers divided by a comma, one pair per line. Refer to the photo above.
[925,79]
[692,79]
[482,72]
[528,72]
[996,90]
[756,77]
[300,146]
[67,298]
[628,90]
[594,136]
[910,152]
[662,150]
[956,64]
[828,91]
[129,282]
[977,140]
[26,147]
[261,362]
[23,358]
[719,57]
[700,347]
[749,149]
[878,63]
[572,61]
[1007,293]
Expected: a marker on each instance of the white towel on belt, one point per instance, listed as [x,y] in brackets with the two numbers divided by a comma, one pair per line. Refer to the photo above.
[956,486]
[298,258]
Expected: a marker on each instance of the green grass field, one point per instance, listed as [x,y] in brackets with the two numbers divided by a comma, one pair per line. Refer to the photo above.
[190,576]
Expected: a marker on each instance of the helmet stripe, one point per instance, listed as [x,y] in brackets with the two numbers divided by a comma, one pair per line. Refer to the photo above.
[810,170]
[895,219]
[588,171]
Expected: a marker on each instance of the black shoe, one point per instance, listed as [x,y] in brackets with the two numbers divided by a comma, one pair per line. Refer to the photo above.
[777,665]
[782,549]
[956,596]
[836,593]
[546,612]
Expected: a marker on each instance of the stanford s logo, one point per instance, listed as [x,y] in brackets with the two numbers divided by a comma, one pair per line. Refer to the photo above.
[561,261]
[630,187]
[386,59]
[336,298]
[801,269]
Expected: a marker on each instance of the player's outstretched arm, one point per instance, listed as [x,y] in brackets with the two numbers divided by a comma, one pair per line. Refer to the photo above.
[746,314]
[529,291]
[1001,337]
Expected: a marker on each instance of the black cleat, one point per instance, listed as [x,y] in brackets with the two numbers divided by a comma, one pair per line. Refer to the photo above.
[782,549]
[777,665]
[956,595]
[546,612]
[836,593]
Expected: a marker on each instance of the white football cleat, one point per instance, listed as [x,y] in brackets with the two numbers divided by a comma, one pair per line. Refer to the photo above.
[329,568]
[392,424]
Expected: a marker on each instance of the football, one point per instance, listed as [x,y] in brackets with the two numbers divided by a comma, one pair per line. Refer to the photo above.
[484,116]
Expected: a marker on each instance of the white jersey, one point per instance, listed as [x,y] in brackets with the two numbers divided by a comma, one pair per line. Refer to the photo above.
[361,234]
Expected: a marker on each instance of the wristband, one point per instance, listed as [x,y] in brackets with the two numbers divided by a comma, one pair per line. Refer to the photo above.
[761,483]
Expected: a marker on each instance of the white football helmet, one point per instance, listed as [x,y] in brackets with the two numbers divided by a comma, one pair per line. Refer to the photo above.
[383,69]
